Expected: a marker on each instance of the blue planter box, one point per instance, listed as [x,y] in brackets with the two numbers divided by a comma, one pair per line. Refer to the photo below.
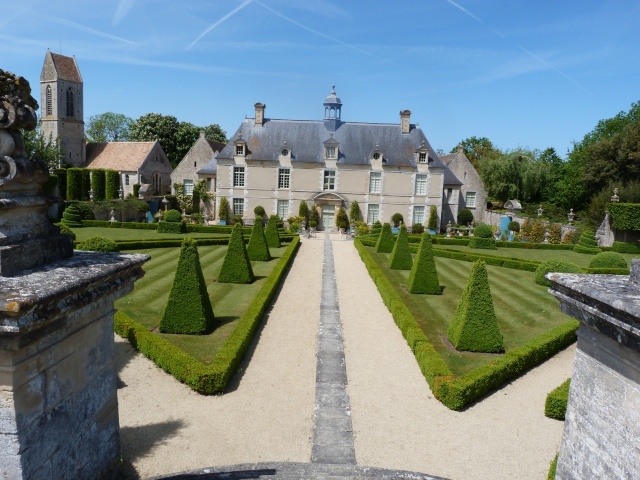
[223,222]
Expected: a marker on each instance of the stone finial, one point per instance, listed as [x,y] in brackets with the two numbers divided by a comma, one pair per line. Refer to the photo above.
[27,237]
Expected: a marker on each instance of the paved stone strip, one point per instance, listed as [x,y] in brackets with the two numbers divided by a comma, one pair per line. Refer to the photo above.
[332,431]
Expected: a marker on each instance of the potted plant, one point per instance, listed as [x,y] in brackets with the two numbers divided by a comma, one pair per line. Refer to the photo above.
[312,227]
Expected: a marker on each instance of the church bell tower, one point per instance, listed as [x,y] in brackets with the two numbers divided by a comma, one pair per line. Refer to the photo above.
[61,101]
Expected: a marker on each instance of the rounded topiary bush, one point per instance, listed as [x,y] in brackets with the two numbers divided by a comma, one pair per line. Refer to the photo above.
[99,244]
[417,228]
[72,216]
[173,216]
[514,226]
[608,260]
[554,265]
[483,231]
[465,216]
[86,212]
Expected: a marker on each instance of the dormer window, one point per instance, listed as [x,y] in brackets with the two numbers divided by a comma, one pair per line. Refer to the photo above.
[422,157]
[330,153]
[240,149]
[284,152]
[376,155]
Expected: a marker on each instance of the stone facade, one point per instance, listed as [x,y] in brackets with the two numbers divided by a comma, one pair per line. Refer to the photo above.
[329,163]
[472,193]
[199,164]
[602,425]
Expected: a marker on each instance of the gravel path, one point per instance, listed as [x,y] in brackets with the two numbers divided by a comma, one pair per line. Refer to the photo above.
[268,413]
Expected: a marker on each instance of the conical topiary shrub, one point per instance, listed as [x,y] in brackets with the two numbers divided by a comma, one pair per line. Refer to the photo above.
[587,243]
[258,248]
[236,267]
[385,241]
[188,309]
[271,233]
[401,255]
[474,326]
[71,217]
[424,276]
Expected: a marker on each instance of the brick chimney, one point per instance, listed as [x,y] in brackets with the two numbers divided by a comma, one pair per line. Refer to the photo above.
[405,121]
[260,113]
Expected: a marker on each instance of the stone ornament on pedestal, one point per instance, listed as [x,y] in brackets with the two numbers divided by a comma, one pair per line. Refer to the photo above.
[58,401]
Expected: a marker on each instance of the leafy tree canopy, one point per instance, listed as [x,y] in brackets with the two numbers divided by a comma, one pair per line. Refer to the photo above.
[48,150]
[109,127]
[477,149]
[175,137]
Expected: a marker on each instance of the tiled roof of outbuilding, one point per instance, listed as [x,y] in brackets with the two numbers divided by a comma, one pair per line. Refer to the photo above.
[356,142]
[121,156]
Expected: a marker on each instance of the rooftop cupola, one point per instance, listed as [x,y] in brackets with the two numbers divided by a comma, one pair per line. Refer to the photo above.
[332,110]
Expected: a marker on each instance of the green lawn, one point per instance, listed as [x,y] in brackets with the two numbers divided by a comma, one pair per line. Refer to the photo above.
[134,234]
[538,255]
[148,299]
[524,309]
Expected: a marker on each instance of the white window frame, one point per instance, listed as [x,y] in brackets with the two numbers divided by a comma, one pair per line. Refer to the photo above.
[422,157]
[126,179]
[470,199]
[330,153]
[373,213]
[418,214]
[238,176]
[421,184]
[238,206]
[375,182]
[284,178]
[209,184]
[187,186]
[283,209]
[240,149]
[329,178]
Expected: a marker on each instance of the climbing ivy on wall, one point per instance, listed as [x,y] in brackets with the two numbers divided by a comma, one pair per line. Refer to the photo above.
[625,216]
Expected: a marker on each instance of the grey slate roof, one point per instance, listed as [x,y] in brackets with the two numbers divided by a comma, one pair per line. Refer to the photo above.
[356,142]
[211,167]
[449,176]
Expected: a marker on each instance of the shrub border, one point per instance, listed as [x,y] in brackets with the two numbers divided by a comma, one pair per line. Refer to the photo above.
[213,378]
[555,406]
[457,392]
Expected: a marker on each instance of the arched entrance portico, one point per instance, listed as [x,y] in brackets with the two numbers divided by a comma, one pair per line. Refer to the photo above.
[328,204]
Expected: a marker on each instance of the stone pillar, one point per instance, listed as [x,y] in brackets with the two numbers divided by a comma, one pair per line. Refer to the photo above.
[58,402]
[602,428]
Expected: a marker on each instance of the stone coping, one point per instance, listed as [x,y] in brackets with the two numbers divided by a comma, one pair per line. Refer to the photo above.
[291,470]
[29,295]
[614,293]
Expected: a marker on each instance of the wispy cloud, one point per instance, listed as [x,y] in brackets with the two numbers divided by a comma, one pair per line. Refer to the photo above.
[324,35]
[223,19]
[124,6]
[464,10]
[528,52]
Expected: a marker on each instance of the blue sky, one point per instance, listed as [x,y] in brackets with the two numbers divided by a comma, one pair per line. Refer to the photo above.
[528,73]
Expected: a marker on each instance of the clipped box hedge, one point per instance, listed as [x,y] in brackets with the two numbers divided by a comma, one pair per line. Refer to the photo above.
[534,246]
[555,406]
[172,227]
[213,378]
[457,392]
[626,247]
[131,225]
